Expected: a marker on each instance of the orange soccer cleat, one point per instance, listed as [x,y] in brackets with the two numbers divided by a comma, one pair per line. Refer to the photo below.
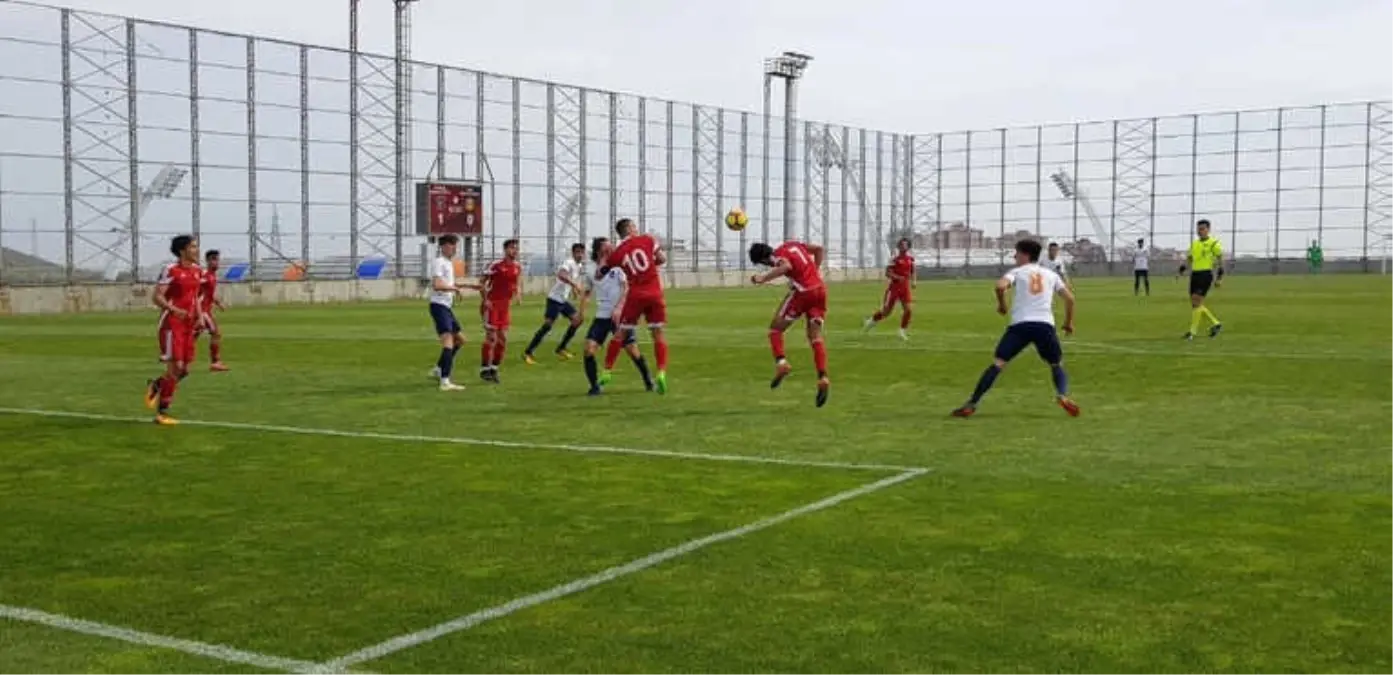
[165,420]
[1069,406]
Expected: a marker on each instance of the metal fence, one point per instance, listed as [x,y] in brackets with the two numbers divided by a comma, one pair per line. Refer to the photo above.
[116,134]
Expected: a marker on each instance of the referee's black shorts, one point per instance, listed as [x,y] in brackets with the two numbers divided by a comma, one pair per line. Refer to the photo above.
[1201,281]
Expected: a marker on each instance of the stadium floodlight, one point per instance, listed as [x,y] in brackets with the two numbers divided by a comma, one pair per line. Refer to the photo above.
[788,66]
[162,186]
[1070,190]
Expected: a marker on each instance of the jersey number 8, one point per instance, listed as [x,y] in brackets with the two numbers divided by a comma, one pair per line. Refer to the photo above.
[1037,283]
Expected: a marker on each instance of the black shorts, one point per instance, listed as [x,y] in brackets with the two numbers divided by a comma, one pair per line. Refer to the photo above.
[557,308]
[444,319]
[601,329]
[1200,282]
[1141,274]
[1018,336]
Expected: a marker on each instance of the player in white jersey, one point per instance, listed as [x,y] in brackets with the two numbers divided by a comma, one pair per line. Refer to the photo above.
[611,287]
[1141,268]
[1032,323]
[443,290]
[1054,263]
[569,277]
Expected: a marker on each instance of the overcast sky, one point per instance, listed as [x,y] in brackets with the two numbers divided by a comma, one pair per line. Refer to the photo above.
[898,65]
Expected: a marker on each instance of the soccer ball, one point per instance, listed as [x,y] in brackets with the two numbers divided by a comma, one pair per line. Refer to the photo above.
[736,219]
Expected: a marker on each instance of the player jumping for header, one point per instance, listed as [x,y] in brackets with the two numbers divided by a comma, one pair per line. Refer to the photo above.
[903,278]
[1032,323]
[639,255]
[177,295]
[569,277]
[807,297]
[610,289]
[208,295]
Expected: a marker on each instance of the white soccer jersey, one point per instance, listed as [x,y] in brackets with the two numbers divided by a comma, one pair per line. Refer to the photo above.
[561,291]
[607,292]
[1057,266]
[1140,260]
[442,268]
[1035,288]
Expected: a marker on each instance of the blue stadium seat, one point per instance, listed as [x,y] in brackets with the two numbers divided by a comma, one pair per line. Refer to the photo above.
[236,272]
[371,268]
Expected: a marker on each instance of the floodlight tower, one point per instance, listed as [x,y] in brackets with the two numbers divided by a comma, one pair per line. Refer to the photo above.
[789,66]
[1070,190]
[162,186]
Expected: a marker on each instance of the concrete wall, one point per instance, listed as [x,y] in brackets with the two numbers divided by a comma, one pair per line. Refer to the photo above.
[123,297]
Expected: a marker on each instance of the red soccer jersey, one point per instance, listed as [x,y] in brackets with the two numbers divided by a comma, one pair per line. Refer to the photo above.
[903,267]
[502,281]
[181,288]
[209,290]
[638,256]
[805,275]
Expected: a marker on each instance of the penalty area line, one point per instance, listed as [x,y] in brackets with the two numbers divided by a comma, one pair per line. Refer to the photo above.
[409,640]
[204,649]
[483,442]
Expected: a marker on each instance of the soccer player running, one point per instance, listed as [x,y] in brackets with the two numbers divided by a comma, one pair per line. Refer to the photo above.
[1032,323]
[208,296]
[501,290]
[639,255]
[568,279]
[1141,268]
[443,290]
[903,278]
[1056,264]
[1206,264]
[611,287]
[807,297]
[177,295]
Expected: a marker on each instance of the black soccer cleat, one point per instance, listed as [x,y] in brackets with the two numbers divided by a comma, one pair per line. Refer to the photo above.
[1215,329]
[824,387]
[1189,337]
[781,371]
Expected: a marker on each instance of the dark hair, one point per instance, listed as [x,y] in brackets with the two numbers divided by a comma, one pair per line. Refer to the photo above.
[624,226]
[213,253]
[179,243]
[510,242]
[760,253]
[1054,244]
[596,245]
[1202,221]
[1141,242]
[578,246]
[1030,248]
[447,240]
[905,240]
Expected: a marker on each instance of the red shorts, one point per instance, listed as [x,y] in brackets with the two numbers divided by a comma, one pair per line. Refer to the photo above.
[497,315]
[897,293]
[811,303]
[207,325]
[177,342]
[647,305]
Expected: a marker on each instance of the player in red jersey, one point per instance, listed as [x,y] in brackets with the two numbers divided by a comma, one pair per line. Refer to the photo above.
[903,277]
[208,295]
[501,290]
[807,298]
[639,255]
[177,295]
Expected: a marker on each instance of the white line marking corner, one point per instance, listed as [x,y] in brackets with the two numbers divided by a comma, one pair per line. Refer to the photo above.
[409,640]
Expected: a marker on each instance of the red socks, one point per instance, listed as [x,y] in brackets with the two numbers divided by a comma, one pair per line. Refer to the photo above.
[820,357]
[612,352]
[879,316]
[500,346]
[215,351]
[660,353]
[904,318]
[168,385]
[776,344]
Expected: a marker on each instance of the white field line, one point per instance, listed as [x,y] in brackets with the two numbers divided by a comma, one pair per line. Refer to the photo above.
[204,649]
[466,622]
[493,443]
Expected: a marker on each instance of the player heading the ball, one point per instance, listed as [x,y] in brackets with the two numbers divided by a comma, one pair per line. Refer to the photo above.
[807,298]
[640,256]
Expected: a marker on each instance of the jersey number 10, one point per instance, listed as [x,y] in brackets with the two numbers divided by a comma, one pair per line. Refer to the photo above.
[636,261]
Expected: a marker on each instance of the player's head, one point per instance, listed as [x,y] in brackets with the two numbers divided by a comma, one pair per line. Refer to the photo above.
[448,245]
[185,248]
[599,248]
[625,227]
[578,251]
[510,249]
[1141,243]
[211,259]
[1202,228]
[761,254]
[1027,251]
[1053,250]
[904,244]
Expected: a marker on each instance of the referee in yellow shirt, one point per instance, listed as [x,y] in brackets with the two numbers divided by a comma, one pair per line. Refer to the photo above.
[1206,264]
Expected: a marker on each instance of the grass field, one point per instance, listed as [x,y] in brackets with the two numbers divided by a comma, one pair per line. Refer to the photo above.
[1219,506]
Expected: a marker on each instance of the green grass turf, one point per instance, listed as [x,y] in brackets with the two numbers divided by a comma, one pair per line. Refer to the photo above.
[1220,506]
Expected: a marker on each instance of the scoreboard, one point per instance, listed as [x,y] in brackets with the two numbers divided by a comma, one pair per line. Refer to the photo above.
[449,208]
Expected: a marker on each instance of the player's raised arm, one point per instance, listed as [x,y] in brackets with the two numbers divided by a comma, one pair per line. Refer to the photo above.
[779,269]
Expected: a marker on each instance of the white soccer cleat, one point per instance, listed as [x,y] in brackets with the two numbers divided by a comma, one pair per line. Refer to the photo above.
[446,385]
[868,325]
[903,335]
